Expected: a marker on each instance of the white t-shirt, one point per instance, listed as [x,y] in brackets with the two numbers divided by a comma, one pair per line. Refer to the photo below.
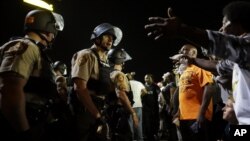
[136,88]
[241,94]
[236,49]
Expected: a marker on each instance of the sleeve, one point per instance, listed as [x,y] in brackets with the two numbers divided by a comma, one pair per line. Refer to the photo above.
[225,67]
[82,65]
[230,47]
[20,58]
[205,77]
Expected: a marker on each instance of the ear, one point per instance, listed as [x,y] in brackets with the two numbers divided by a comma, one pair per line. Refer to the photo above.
[194,53]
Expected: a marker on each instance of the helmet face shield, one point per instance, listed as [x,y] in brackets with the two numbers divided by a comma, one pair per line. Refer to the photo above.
[118,35]
[128,57]
[106,28]
[43,21]
[59,22]
[60,66]
[118,56]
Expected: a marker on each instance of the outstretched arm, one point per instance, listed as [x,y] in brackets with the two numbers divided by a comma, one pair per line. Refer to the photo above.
[209,65]
[224,46]
[172,27]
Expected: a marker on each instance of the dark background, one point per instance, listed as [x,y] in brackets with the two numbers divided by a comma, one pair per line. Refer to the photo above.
[81,16]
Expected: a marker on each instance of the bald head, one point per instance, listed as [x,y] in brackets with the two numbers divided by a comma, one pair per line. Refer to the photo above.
[189,50]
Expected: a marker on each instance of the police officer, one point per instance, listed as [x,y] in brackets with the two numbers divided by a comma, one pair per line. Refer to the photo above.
[91,79]
[60,68]
[26,78]
[120,107]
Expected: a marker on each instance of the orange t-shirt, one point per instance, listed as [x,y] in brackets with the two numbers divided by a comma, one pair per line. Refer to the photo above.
[191,87]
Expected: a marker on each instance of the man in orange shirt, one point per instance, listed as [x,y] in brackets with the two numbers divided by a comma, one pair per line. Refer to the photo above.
[195,109]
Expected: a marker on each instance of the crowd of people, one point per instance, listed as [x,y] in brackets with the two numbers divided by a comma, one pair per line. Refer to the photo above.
[199,99]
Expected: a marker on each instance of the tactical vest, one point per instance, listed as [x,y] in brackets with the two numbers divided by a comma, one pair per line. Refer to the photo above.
[41,92]
[44,85]
[103,86]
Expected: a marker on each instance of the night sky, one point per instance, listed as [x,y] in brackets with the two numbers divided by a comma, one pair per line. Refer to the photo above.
[81,16]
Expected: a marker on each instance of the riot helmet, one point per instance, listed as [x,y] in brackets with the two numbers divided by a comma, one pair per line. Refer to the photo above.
[60,66]
[43,21]
[107,28]
[117,56]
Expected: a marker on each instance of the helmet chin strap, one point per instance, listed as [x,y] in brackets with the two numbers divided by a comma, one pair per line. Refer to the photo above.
[49,44]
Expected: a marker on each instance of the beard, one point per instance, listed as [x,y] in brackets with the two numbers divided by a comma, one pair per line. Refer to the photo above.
[182,68]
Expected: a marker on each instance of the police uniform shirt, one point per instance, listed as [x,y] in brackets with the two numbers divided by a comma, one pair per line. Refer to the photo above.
[22,57]
[85,65]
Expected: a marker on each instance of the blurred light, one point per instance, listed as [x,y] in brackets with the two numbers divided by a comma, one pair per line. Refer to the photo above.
[40,3]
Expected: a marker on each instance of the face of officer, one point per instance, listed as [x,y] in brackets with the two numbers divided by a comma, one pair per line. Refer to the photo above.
[106,42]
[47,39]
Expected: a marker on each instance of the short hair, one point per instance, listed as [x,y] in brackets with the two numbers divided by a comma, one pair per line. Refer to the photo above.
[238,12]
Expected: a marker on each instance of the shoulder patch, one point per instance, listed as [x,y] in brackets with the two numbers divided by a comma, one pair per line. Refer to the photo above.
[18,48]
[15,47]
[83,57]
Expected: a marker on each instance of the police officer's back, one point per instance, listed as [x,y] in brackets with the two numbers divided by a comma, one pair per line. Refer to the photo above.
[122,109]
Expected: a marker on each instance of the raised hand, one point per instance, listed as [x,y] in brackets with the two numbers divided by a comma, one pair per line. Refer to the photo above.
[159,26]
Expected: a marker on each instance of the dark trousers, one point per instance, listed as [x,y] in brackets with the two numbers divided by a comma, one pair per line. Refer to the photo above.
[191,133]
[119,123]
[85,126]
[151,124]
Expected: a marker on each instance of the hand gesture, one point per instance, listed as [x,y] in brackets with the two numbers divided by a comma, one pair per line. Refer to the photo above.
[159,26]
